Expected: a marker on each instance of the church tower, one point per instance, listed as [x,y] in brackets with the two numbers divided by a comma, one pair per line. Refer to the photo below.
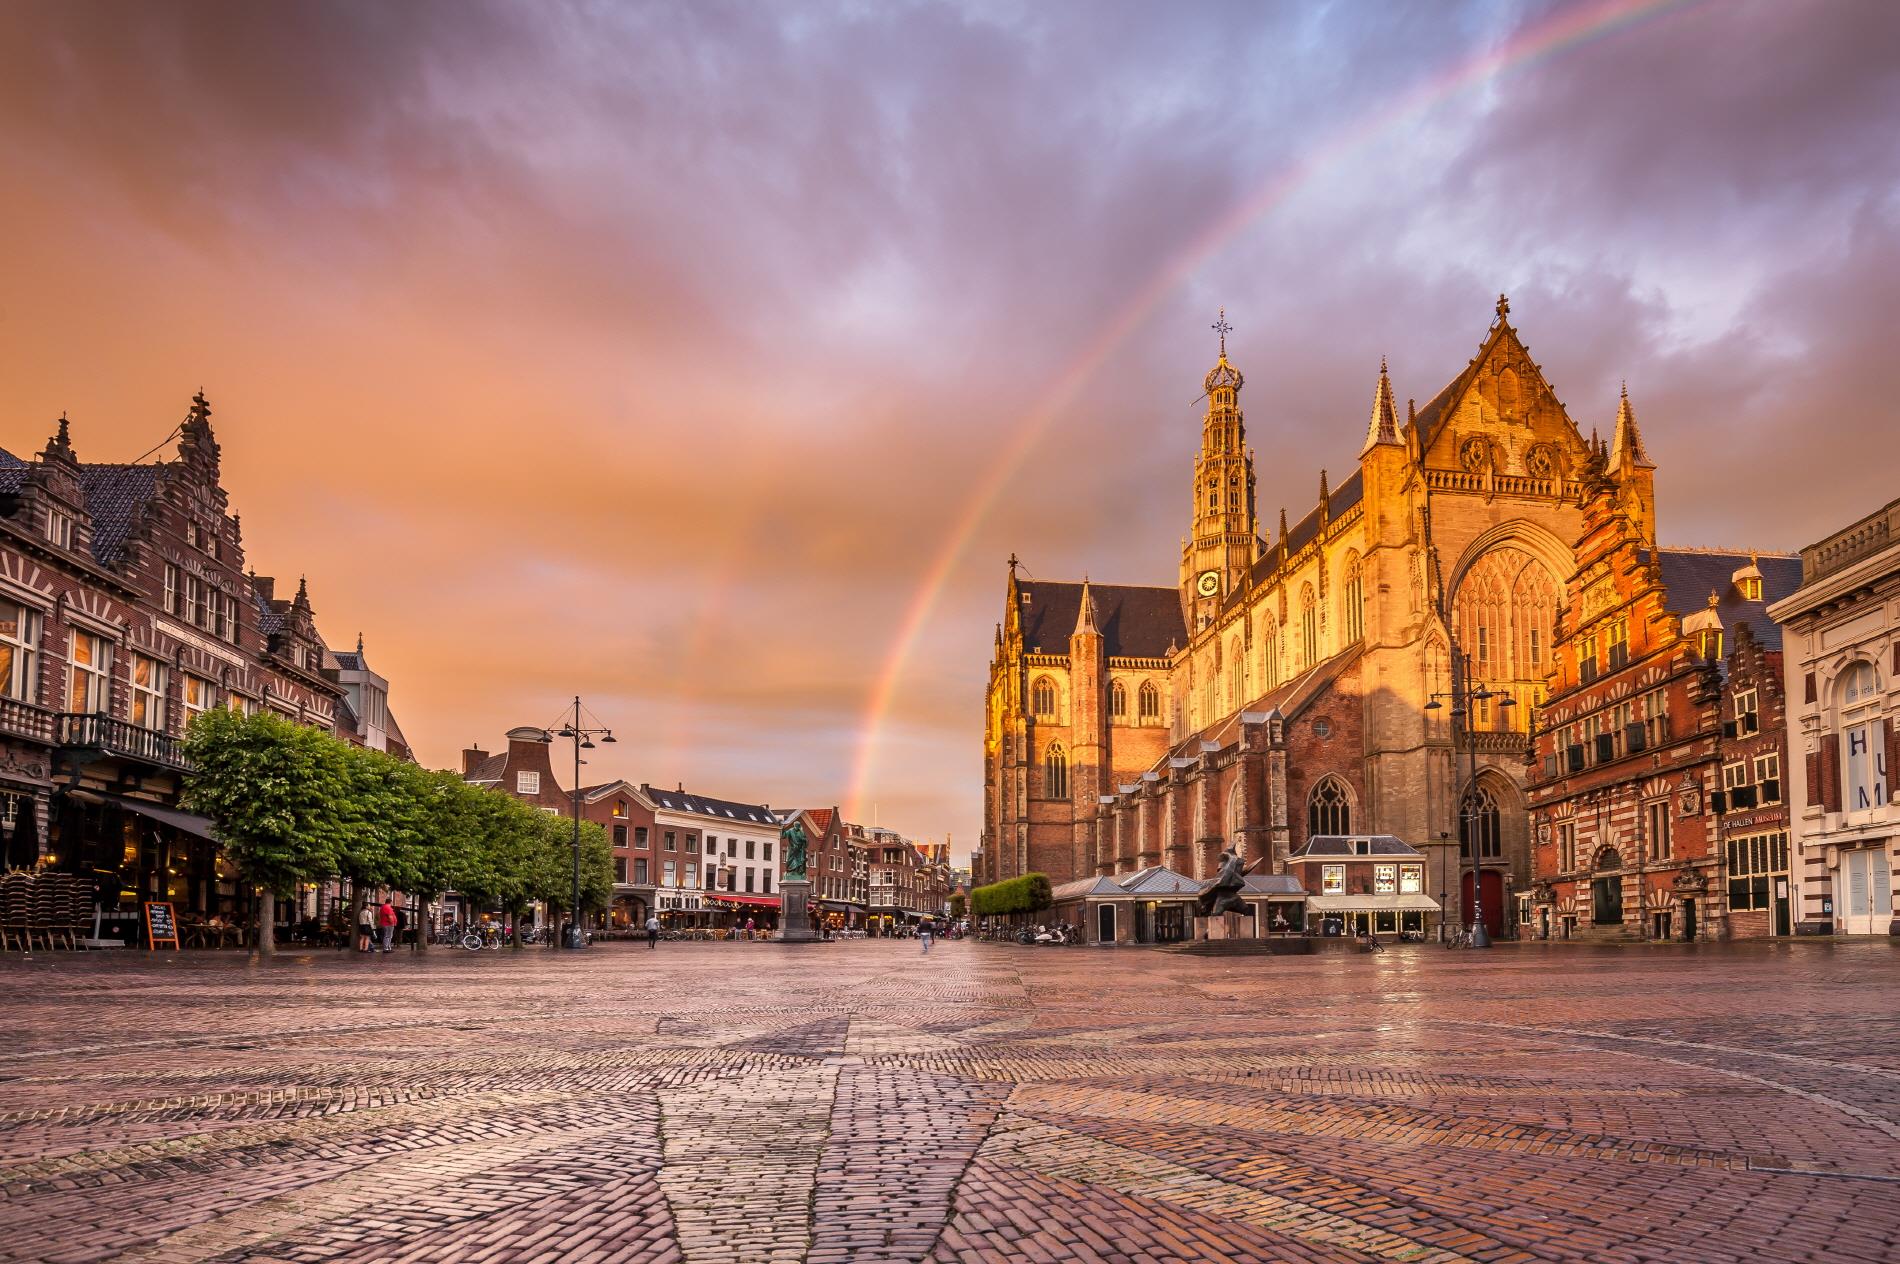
[1217,554]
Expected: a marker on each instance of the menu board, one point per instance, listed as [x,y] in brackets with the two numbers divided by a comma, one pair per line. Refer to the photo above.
[160,926]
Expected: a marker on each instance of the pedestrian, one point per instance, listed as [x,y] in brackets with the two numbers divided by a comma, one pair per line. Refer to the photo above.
[653,931]
[925,929]
[750,927]
[407,931]
[365,925]
[386,922]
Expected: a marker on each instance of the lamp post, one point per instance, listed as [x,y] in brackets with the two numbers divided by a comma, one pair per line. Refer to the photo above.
[1462,695]
[583,739]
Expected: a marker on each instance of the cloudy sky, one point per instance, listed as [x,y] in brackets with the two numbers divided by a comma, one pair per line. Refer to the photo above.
[710,359]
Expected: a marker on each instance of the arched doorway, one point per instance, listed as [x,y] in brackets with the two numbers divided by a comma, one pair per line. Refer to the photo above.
[1606,890]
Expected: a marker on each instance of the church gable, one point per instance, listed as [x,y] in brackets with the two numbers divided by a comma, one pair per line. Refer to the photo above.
[1500,417]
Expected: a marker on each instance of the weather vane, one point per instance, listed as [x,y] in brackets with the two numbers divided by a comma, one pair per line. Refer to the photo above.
[1222,328]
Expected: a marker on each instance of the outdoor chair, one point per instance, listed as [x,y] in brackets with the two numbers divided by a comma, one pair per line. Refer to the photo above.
[16,910]
[49,913]
[75,908]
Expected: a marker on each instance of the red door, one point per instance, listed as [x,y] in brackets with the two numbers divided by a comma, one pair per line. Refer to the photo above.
[1493,902]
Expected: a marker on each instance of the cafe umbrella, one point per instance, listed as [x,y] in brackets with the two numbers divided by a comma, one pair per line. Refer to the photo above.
[22,844]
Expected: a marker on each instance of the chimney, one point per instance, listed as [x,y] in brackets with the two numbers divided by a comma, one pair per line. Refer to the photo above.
[266,587]
[472,756]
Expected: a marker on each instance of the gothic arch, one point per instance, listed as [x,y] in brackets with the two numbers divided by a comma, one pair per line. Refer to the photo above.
[1330,808]
[1269,651]
[1117,700]
[1352,600]
[1532,537]
[1237,675]
[1055,772]
[1148,700]
[1503,613]
[1044,699]
[1233,813]
[1309,627]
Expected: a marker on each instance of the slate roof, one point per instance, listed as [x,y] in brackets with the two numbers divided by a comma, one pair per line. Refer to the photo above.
[489,770]
[1273,884]
[720,809]
[13,472]
[1302,533]
[1084,888]
[1159,880]
[115,496]
[351,661]
[269,621]
[1135,622]
[1347,846]
[1690,575]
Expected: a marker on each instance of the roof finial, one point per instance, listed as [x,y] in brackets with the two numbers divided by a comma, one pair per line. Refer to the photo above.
[65,430]
[359,645]
[1013,564]
[1222,328]
[1504,307]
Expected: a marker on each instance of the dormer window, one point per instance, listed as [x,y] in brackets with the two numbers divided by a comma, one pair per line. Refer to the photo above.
[1750,587]
[59,528]
[1710,643]
[527,783]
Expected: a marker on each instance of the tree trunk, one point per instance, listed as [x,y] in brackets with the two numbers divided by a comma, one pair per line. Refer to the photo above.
[419,922]
[264,934]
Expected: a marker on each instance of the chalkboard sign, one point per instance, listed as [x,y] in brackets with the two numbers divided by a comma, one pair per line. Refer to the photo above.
[160,926]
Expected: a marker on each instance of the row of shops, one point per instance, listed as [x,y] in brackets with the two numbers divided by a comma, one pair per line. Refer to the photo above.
[684,910]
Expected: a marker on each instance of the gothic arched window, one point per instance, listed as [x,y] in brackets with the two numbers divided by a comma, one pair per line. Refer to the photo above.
[1269,652]
[1236,676]
[1117,701]
[1233,814]
[1329,808]
[1502,617]
[1055,772]
[1149,700]
[1478,817]
[1309,625]
[1352,601]
[1042,698]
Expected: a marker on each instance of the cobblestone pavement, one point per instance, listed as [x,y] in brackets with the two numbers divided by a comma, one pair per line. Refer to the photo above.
[986,1102]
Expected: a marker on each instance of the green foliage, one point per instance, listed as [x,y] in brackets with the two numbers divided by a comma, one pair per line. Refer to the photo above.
[291,804]
[1028,894]
[957,904]
[271,788]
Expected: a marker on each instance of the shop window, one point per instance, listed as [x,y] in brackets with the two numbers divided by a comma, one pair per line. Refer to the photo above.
[1385,879]
[1411,879]
[1332,879]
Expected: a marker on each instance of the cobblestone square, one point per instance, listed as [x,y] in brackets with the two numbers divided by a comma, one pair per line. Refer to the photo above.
[986,1102]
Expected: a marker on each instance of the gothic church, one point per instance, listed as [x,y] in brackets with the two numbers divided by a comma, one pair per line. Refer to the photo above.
[1281,687]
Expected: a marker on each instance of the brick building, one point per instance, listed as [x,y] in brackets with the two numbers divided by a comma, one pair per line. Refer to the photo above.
[1842,667]
[1364,884]
[1647,717]
[835,868]
[618,808]
[126,610]
[714,862]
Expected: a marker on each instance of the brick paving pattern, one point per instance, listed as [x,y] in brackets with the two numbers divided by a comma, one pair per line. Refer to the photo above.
[987,1102]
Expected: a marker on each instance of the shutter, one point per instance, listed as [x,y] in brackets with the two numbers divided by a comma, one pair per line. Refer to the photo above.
[1893,758]
[1831,772]
[1728,728]
[1606,747]
[1771,790]
[1718,802]
[1575,755]
[1634,739]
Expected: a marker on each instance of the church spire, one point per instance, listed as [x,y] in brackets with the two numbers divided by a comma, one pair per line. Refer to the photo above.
[1085,615]
[1627,444]
[1384,426]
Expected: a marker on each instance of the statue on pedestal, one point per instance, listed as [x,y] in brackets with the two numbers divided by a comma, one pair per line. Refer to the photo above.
[793,839]
[1223,895]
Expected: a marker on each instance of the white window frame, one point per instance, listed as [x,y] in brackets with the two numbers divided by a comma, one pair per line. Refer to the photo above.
[527,783]
[147,704]
[59,527]
[1332,879]
[1412,879]
[205,690]
[96,674]
[21,679]
[1385,879]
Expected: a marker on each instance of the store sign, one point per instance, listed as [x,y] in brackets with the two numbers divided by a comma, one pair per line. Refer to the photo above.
[161,926]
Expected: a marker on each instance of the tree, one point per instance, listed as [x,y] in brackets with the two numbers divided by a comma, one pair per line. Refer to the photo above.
[957,905]
[554,870]
[270,788]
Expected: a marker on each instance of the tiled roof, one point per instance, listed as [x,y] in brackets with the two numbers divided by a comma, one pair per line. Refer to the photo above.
[1274,884]
[1135,622]
[488,770]
[1690,575]
[115,496]
[1349,845]
[269,621]
[1159,880]
[821,817]
[718,809]
[348,662]
[13,472]
[1083,888]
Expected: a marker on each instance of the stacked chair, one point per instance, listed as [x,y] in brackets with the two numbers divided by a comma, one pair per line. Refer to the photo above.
[53,908]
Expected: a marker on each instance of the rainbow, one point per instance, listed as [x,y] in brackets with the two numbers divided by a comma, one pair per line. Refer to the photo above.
[1567,29]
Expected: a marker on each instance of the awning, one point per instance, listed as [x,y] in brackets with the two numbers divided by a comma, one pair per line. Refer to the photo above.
[189,823]
[762,901]
[1414,903]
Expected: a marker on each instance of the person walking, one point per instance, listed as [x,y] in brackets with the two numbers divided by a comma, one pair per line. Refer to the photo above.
[386,922]
[653,931]
[365,925]
[925,930]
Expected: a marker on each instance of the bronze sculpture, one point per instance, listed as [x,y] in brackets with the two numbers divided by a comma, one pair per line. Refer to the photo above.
[793,839]
[1223,894]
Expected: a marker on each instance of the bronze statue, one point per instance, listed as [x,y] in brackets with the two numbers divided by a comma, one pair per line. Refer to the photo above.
[1223,895]
[792,839]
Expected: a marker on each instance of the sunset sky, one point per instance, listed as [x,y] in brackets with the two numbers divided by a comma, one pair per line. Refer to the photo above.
[709,360]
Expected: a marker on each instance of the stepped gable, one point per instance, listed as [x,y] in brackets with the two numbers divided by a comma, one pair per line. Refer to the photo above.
[1135,622]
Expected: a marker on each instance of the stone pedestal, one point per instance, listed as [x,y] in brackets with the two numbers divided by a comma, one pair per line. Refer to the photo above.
[1226,926]
[794,922]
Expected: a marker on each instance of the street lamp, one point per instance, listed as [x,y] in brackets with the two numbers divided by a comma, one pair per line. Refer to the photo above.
[583,739]
[1461,695]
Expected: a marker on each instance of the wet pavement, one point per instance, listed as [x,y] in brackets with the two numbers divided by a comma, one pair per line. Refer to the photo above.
[858,1102]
